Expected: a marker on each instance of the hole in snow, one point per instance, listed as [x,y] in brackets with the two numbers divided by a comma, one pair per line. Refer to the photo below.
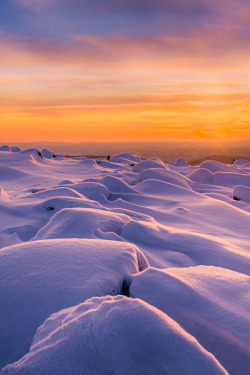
[236,198]
[125,289]
[50,208]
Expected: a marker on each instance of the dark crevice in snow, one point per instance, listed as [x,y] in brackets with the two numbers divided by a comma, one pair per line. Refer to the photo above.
[142,262]
[125,288]
[236,198]
[111,197]
[141,268]
[33,191]
[50,208]
[39,153]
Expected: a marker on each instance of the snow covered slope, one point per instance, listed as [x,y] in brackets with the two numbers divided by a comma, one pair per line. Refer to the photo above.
[123,266]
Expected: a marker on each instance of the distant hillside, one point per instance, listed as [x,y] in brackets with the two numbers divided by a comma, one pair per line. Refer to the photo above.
[87,156]
[193,152]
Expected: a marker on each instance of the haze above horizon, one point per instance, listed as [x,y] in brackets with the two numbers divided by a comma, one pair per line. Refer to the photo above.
[120,71]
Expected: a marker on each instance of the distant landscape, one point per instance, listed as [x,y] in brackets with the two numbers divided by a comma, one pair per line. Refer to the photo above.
[193,152]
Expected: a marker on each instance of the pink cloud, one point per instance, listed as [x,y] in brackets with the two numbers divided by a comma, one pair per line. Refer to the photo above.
[35,5]
[207,48]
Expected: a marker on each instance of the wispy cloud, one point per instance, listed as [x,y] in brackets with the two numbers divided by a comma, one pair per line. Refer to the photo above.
[35,5]
[215,9]
[209,48]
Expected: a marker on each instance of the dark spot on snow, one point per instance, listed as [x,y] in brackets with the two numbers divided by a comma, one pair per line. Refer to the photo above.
[98,162]
[125,289]
[141,268]
[33,191]
[131,165]
[50,208]
[112,197]
[39,153]
[236,198]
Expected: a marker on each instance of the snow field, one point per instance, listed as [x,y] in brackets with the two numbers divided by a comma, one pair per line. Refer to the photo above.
[125,266]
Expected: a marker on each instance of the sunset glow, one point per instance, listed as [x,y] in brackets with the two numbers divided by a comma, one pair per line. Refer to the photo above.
[124,70]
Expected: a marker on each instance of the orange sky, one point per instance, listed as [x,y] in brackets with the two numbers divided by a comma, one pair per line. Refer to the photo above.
[190,80]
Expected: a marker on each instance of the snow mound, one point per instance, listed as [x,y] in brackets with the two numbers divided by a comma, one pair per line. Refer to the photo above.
[156,159]
[104,164]
[29,153]
[114,335]
[180,163]
[168,247]
[47,154]
[16,149]
[5,148]
[87,163]
[164,175]
[57,192]
[125,156]
[43,277]
[92,190]
[231,179]
[148,164]
[66,182]
[215,166]
[210,303]
[242,193]
[161,188]
[202,175]
[122,161]
[117,185]
[240,162]
[246,166]
[83,223]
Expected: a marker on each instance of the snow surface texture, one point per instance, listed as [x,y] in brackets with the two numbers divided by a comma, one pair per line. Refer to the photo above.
[123,266]
[52,275]
[104,330]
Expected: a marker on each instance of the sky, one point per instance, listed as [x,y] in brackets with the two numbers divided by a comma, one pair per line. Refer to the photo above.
[124,70]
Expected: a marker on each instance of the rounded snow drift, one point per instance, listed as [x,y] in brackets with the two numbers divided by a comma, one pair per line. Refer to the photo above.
[242,193]
[42,277]
[114,335]
[202,175]
[148,164]
[5,148]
